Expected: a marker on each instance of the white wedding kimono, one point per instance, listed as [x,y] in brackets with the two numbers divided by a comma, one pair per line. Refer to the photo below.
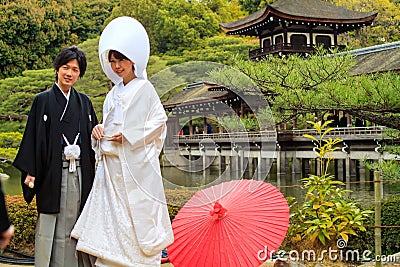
[125,221]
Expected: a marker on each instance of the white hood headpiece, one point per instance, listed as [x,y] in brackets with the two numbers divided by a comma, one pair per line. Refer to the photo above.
[127,36]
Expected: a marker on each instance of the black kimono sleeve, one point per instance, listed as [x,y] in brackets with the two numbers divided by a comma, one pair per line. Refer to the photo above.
[26,159]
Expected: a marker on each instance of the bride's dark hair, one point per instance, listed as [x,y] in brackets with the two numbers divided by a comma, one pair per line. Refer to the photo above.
[119,56]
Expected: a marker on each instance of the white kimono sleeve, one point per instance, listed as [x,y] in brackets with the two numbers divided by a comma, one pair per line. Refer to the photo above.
[144,131]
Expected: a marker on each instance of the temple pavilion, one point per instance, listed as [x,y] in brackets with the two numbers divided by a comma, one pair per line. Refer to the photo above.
[298,26]
[202,98]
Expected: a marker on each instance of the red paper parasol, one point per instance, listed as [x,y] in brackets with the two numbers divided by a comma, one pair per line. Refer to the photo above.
[236,223]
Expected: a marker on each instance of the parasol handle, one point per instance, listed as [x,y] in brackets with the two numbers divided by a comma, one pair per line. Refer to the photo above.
[218,212]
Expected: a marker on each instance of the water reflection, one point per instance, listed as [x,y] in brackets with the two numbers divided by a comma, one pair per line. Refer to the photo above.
[289,185]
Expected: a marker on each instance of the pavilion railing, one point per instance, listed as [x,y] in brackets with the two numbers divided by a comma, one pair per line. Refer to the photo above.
[344,133]
[371,132]
[229,137]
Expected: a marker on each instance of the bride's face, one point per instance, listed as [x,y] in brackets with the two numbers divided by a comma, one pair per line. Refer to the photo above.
[122,67]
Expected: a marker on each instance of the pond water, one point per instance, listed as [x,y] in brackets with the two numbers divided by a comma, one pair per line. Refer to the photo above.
[12,185]
[288,185]
[291,186]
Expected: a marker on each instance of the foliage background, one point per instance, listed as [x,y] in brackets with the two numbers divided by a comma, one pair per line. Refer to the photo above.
[182,31]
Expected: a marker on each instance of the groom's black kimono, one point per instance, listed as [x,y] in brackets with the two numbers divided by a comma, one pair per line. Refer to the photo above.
[40,152]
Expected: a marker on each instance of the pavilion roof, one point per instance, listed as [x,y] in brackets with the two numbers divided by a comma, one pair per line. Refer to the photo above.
[201,92]
[298,10]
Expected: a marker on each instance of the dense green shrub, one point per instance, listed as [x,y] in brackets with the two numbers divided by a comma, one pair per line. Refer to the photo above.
[391,217]
[23,217]
[10,139]
[390,236]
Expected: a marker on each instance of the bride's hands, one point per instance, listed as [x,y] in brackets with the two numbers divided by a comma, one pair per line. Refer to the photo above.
[116,138]
[98,131]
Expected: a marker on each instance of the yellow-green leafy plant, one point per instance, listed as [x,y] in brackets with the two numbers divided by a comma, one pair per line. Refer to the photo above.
[326,214]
